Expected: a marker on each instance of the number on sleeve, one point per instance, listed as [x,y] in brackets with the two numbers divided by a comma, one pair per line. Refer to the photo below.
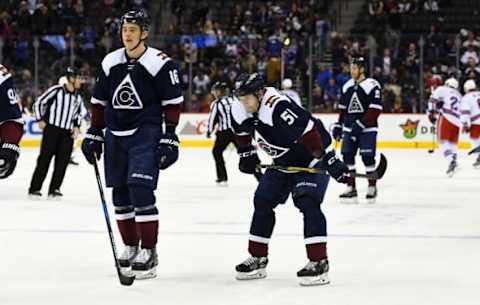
[288,116]
[174,77]
[12,96]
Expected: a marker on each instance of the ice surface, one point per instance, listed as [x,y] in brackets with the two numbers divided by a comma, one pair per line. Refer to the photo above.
[420,244]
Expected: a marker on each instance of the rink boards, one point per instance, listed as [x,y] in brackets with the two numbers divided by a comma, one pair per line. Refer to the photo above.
[410,131]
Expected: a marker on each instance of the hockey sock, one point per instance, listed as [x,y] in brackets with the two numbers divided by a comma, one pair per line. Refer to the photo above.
[257,249]
[316,252]
[128,231]
[148,232]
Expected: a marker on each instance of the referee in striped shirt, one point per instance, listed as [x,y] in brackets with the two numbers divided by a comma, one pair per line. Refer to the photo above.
[220,116]
[58,112]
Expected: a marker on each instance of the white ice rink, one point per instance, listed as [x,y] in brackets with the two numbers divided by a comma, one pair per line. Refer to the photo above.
[420,244]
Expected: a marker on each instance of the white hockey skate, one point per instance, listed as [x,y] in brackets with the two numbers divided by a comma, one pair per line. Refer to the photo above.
[350,196]
[371,194]
[144,266]
[314,273]
[252,268]
[452,167]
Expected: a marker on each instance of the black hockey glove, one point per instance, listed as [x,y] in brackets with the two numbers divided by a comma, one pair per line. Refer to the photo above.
[92,145]
[337,131]
[432,117]
[9,153]
[167,150]
[334,166]
[357,129]
[248,159]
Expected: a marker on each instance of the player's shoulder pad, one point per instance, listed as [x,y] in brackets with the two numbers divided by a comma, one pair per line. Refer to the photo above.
[113,59]
[239,113]
[271,100]
[369,84]
[154,60]
[347,85]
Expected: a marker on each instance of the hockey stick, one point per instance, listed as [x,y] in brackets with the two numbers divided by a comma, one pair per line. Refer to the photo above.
[434,137]
[376,175]
[475,150]
[124,279]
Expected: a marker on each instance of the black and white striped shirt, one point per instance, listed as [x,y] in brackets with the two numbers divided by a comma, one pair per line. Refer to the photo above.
[220,114]
[59,107]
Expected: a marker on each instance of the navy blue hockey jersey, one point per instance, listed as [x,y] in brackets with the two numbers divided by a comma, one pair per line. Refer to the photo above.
[134,93]
[9,107]
[277,126]
[358,97]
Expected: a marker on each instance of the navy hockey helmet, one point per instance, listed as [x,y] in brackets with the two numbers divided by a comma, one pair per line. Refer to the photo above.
[137,16]
[248,84]
[359,61]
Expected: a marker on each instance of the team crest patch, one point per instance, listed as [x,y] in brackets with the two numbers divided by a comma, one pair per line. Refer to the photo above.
[355,106]
[126,96]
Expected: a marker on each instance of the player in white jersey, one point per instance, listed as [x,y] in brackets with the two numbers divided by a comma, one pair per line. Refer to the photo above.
[470,114]
[287,85]
[445,102]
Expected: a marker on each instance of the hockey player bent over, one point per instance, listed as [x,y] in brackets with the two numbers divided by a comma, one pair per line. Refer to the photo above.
[291,137]
[445,100]
[137,98]
[11,124]
[470,114]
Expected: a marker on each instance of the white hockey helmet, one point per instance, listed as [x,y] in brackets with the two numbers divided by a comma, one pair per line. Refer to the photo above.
[287,83]
[469,85]
[452,83]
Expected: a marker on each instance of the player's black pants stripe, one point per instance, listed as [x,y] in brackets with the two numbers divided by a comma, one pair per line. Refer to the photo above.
[55,142]
[223,138]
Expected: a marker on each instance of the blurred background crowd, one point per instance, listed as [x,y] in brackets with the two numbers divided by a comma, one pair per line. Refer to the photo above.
[411,46]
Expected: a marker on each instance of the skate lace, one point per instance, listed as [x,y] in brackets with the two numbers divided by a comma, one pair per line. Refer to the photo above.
[143,256]
[310,265]
[128,252]
[250,261]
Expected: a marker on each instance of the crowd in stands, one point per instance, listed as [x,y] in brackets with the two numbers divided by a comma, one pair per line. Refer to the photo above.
[218,40]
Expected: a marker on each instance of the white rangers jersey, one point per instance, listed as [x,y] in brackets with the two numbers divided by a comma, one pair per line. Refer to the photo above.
[446,101]
[470,108]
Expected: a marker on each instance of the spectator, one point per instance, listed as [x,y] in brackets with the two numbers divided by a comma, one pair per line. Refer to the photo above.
[331,94]
[468,55]
[323,76]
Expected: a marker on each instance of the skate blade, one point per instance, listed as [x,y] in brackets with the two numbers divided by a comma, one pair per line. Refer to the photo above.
[371,200]
[349,200]
[34,198]
[314,280]
[145,274]
[49,198]
[253,275]
[452,173]
[476,166]
[127,271]
[222,184]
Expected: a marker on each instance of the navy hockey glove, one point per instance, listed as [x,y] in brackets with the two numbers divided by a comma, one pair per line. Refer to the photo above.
[248,159]
[337,131]
[92,144]
[167,150]
[334,166]
[9,153]
[357,129]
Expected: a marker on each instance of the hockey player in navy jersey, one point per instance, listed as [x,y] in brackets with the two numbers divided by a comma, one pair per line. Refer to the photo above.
[137,98]
[292,137]
[11,124]
[357,125]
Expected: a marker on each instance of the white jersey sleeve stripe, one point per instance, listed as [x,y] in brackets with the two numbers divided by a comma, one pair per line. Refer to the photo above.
[173,101]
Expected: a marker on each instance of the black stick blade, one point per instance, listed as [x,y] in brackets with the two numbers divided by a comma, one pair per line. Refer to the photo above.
[126,280]
[382,166]
[475,150]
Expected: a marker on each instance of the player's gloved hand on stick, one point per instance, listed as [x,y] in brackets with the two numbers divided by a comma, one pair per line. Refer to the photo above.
[337,131]
[432,117]
[466,128]
[92,144]
[9,153]
[209,135]
[167,150]
[334,166]
[248,159]
[357,129]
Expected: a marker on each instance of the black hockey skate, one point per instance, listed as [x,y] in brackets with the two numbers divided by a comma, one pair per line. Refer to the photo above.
[314,273]
[55,195]
[452,167]
[221,183]
[476,165]
[128,256]
[252,268]
[349,196]
[145,264]
[371,194]
[35,195]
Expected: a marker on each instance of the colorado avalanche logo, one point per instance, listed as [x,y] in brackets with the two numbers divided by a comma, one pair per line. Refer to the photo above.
[272,150]
[126,96]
